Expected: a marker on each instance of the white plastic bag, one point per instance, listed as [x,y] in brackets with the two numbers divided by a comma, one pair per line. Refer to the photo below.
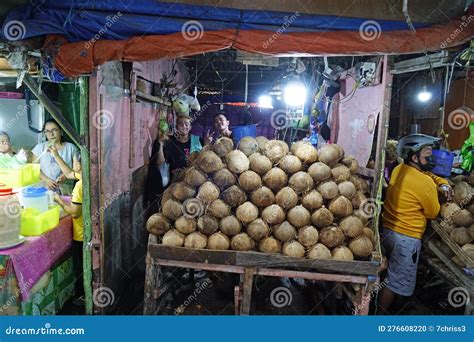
[165,174]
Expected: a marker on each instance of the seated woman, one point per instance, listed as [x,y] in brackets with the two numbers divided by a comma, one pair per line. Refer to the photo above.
[5,144]
[50,171]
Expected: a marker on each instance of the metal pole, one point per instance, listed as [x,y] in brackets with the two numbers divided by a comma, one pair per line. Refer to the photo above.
[246,81]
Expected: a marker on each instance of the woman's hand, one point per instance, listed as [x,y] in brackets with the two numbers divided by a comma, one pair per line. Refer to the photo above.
[61,178]
[53,150]
[50,184]
[446,191]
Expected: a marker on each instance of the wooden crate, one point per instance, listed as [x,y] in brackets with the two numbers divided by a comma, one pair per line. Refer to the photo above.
[452,245]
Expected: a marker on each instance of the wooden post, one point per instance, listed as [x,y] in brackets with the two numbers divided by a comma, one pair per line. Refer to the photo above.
[247,290]
[151,284]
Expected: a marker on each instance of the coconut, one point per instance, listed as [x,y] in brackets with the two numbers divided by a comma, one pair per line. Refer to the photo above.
[185,225]
[247,212]
[301,182]
[167,195]
[369,233]
[224,178]
[305,152]
[250,180]
[328,190]
[448,209]
[181,191]
[173,238]
[340,207]
[258,230]
[237,161]
[351,163]
[275,179]
[362,215]
[218,208]
[290,164]
[269,245]
[312,200]
[462,218]
[342,253]
[172,209]
[358,200]
[330,154]
[230,225]
[242,242]
[319,251]
[234,196]
[275,150]
[299,216]
[308,236]
[469,250]
[293,249]
[471,208]
[322,217]
[209,162]
[319,171]
[260,164]
[340,173]
[195,240]
[331,237]
[457,179]
[462,193]
[218,241]
[347,189]
[158,224]
[248,145]
[359,183]
[351,226]
[286,198]
[262,142]
[447,226]
[194,177]
[222,146]
[192,158]
[273,214]
[284,231]
[460,235]
[207,224]
[471,231]
[361,246]
[208,192]
[262,197]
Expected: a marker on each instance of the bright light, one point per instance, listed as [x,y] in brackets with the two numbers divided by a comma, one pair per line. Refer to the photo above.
[265,101]
[295,94]
[424,95]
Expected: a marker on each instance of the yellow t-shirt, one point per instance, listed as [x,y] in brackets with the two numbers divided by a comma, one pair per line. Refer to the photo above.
[412,198]
[77,223]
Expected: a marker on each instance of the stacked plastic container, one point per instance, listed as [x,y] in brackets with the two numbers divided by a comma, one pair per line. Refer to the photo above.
[10,217]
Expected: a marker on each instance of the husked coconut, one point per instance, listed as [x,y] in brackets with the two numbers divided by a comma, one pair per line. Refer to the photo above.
[230,225]
[340,173]
[260,164]
[207,224]
[463,193]
[361,246]
[308,236]
[262,142]
[209,162]
[247,212]
[470,179]
[351,226]
[460,235]
[331,237]
[269,245]
[342,253]
[319,171]
[273,214]
[284,232]
[305,152]
[299,216]
[250,180]
[218,208]
[158,224]
[242,242]
[185,225]
[319,251]
[262,197]
[448,209]
[208,192]
[218,241]
[181,191]
[237,161]
[286,198]
[359,183]
[293,249]
[290,164]
[193,157]
[258,229]
[224,178]
[195,240]
[340,207]
[172,209]
[347,189]
[351,163]
[248,145]
[173,238]
[312,200]
[192,207]
[471,231]
[469,250]
[330,154]
[167,195]
[447,225]
[470,208]
[358,200]
[275,150]
[194,177]
[275,179]
[222,146]
[362,215]
[322,217]
[234,196]
[328,190]
[301,182]
[369,233]
[462,218]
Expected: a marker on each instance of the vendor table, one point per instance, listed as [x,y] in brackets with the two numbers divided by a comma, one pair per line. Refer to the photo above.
[42,266]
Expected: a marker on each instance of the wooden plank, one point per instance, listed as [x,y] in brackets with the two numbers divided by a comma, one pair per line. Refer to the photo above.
[152,98]
[149,300]
[310,275]
[247,285]
[192,255]
[453,245]
[363,171]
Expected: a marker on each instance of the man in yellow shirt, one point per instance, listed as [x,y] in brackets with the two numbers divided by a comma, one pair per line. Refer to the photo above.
[412,199]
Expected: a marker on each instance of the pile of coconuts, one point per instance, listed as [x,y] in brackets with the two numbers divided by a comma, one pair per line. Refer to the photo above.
[457,217]
[263,196]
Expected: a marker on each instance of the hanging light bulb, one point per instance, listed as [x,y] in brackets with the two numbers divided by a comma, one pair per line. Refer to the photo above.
[424,95]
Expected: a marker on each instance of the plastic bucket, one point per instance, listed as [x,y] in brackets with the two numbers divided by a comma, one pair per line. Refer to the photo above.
[444,163]
[238,132]
[36,198]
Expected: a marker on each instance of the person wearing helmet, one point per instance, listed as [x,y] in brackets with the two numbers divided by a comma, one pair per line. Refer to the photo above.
[411,199]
